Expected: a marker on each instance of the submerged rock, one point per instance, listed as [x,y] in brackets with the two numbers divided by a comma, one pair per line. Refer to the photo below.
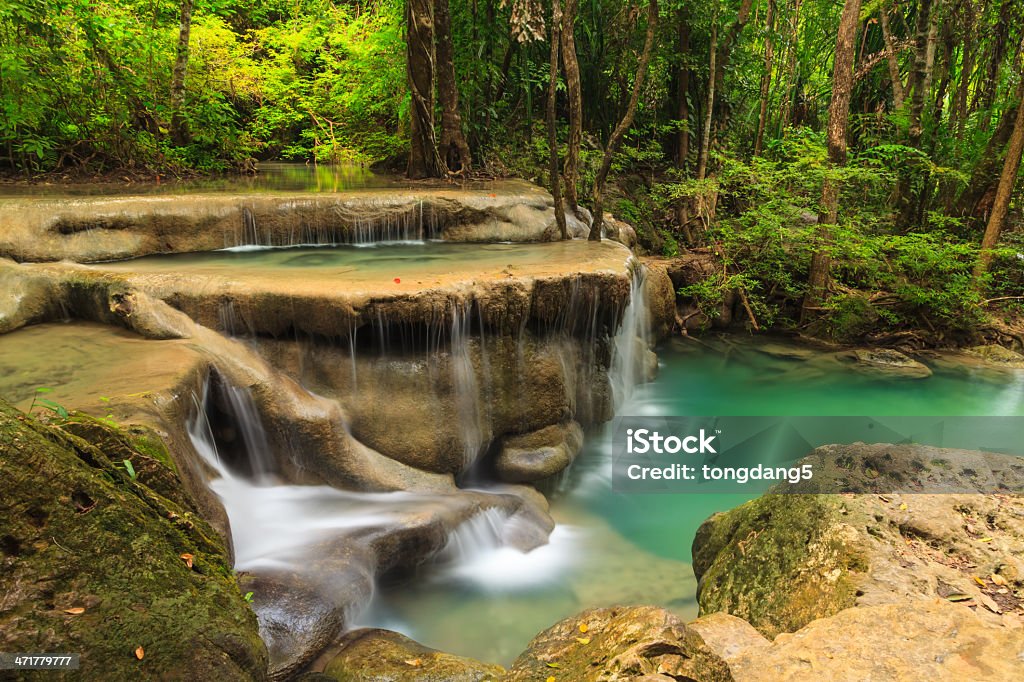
[784,560]
[98,561]
[888,362]
[998,356]
[619,643]
[532,457]
[373,655]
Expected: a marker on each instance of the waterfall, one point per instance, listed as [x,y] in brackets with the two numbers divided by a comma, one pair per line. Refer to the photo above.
[467,393]
[228,433]
[632,342]
[481,533]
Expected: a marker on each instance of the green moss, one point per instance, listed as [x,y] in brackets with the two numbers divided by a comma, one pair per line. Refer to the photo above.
[79,532]
[779,562]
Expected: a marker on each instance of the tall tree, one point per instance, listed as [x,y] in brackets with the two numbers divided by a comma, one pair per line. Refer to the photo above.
[683,89]
[179,130]
[838,121]
[556,24]
[921,75]
[1007,180]
[789,89]
[572,85]
[627,120]
[709,104]
[454,149]
[424,159]
[766,76]
[895,78]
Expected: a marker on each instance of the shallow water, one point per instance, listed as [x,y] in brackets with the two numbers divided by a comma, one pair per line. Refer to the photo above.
[612,548]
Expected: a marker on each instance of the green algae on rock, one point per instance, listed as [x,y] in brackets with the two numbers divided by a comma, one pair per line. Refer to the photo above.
[81,532]
[372,655]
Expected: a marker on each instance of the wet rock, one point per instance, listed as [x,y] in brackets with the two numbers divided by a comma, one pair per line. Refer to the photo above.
[998,356]
[92,563]
[619,643]
[373,655]
[532,457]
[661,298]
[923,640]
[784,560]
[25,297]
[619,231]
[888,362]
[728,636]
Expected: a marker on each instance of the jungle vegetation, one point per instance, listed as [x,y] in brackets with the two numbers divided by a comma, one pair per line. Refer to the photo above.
[852,164]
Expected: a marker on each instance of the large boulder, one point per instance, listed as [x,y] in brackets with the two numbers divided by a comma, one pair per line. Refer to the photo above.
[373,655]
[112,562]
[619,643]
[931,640]
[784,560]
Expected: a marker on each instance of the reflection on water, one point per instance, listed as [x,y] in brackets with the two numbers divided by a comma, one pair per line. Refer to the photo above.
[611,548]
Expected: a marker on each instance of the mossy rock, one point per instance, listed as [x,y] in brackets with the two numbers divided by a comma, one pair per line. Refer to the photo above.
[92,562]
[778,562]
[373,655]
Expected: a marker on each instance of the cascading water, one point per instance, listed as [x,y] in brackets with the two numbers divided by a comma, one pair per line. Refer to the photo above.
[632,341]
[467,394]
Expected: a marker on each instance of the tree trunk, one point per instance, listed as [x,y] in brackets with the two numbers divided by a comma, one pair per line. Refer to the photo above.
[179,128]
[999,44]
[838,120]
[919,78]
[709,106]
[572,83]
[627,120]
[794,43]
[556,22]
[766,77]
[974,201]
[682,91]
[454,149]
[1001,205]
[966,70]
[424,160]
[898,94]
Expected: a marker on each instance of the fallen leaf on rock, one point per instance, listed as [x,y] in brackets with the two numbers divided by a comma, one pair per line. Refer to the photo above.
[583,640]
[989,603]
[959,596]
[985,540]
[75,610]
[978,580]
[139,653]
[551,678]
[583,627]
[998,580]
[187,558]
[903,506]
[553,665]
[414,662]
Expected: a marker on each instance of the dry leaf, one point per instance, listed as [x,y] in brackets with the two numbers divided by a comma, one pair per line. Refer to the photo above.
[139,653]
[903,506]
[75,611]
[187,558]
[414,662]
[551,678]
[978,580]
[583,640]
[985,540]
[553,665]
[989,603]
[583,627]
[998,580]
